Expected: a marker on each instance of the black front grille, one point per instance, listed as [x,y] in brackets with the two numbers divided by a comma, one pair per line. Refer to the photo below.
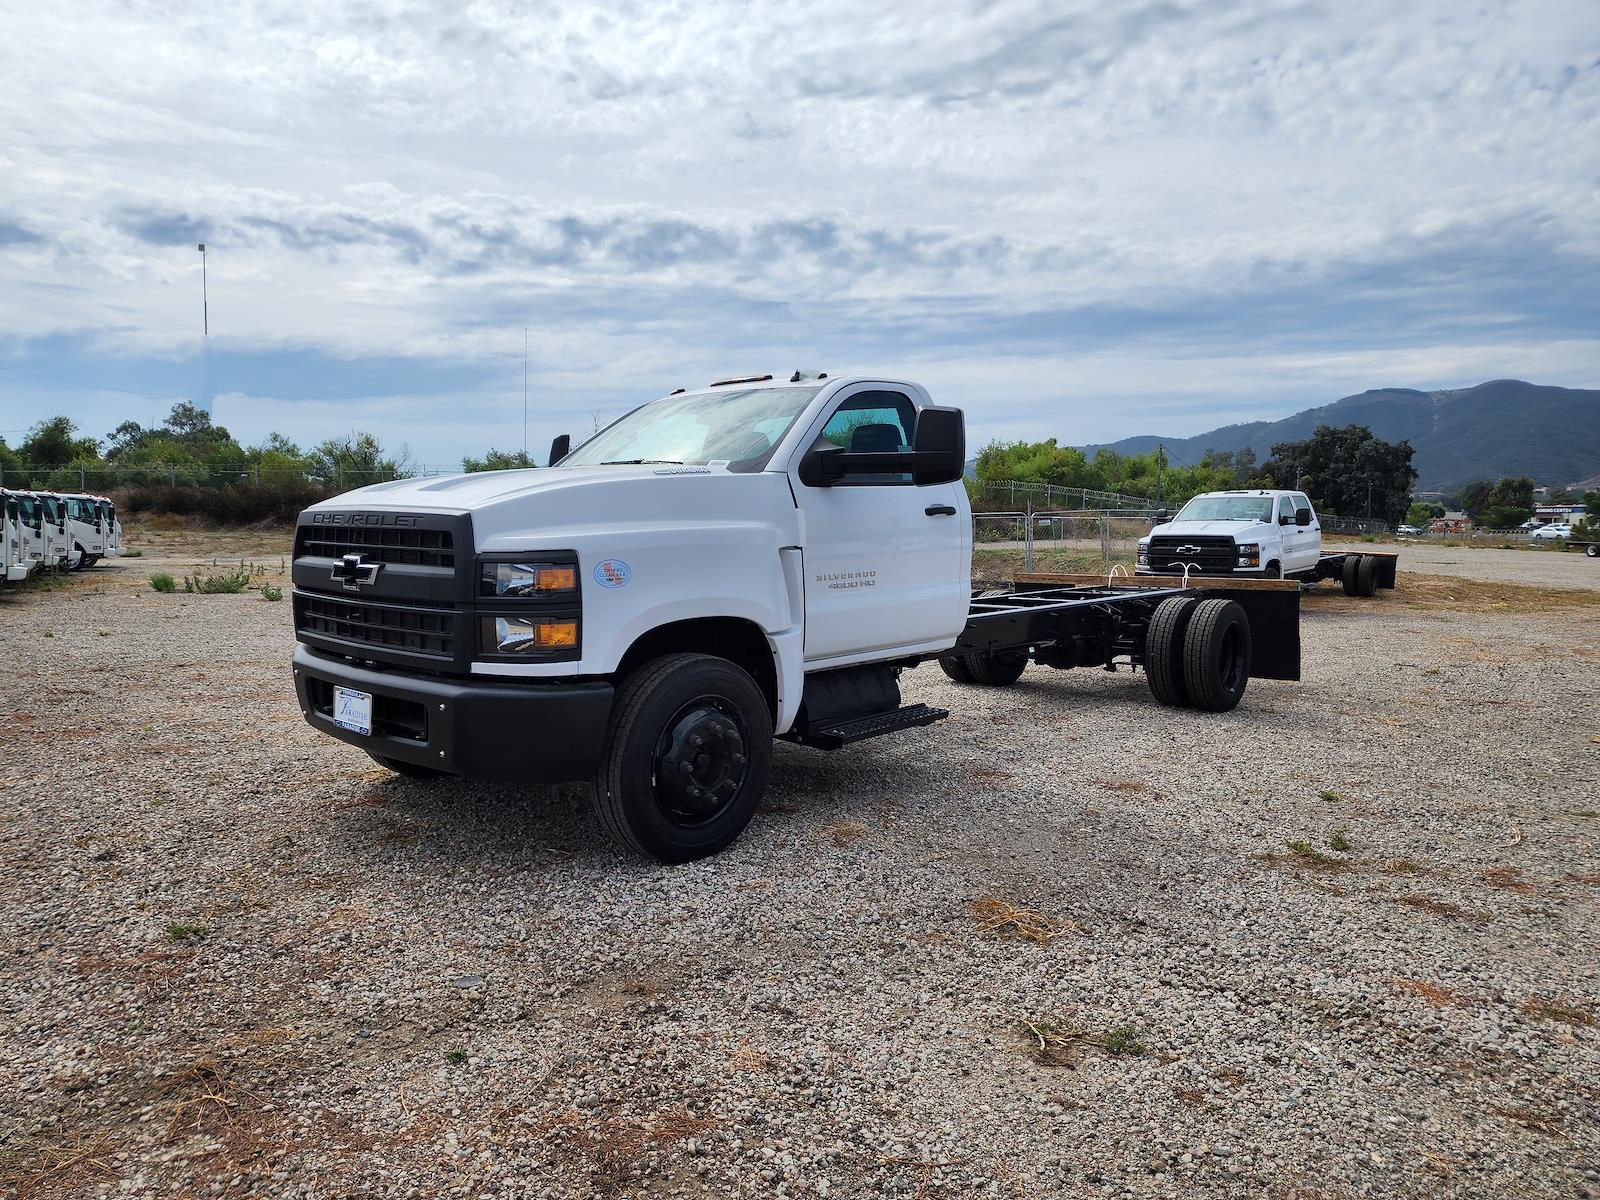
[394,625]
[412,547]
[1209,554]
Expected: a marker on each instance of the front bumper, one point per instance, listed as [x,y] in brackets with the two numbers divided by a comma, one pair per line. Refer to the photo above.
[534,732]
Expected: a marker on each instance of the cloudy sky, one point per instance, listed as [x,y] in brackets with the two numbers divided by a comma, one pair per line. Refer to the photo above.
[1073,218]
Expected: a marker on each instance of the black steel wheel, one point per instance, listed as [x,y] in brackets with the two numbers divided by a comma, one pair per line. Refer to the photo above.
[1367,576]
[411,770]
[686,757]
[1216,655]
[1163,650]
[1000,668]
[955,667]
[1350,572]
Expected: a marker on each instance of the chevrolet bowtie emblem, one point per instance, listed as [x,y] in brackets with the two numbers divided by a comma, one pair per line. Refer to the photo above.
[355,572]
[1188,549]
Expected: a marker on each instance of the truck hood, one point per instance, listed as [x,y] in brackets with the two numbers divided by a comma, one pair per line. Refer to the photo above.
[568,505]
[464,493]
[1239,531]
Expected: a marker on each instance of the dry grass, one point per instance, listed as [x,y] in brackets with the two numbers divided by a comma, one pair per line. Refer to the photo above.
[1001,917]
[1554,1010]
[1436,906]
[1056,1042]
[845,833]
[1434,993]
[1539,1122]
[1449,594]
[1508,879]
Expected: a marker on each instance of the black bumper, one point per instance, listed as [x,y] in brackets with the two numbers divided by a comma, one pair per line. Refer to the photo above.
[533,732]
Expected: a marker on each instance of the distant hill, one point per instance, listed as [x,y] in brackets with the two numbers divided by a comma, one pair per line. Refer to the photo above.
[1504,427]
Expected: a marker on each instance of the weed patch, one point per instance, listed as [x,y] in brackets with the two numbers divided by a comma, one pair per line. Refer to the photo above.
[1004,919]
[162,582]
[1339,840]
[1553,1010]
[1436,994]
[178,931]
[1056,1042]
[230,583]
[271,592]
[845,834]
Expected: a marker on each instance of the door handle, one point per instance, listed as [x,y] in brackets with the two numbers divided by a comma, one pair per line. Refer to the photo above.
[940,510]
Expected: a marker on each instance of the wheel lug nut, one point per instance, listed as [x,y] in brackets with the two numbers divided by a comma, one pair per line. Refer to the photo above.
[686,768]
[695,739]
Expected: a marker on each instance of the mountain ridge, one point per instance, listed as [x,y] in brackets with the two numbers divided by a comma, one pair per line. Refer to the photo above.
[1498,428]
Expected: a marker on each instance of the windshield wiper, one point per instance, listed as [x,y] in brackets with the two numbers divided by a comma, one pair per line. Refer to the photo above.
[641,462]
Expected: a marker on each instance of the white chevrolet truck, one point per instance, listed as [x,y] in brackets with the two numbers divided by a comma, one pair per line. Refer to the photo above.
[750,560]
[1259,534]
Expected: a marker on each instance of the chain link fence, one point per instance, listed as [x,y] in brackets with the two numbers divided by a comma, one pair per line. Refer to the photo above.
[104,477]
[1073,542]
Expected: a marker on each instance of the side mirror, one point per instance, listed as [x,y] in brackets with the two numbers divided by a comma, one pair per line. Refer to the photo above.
[937,455]
[560,448]
[1302,516]
[1163,516]
[1284,518]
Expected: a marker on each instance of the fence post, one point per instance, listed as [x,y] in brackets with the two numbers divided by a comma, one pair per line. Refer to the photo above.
[172,475]
[1027,537]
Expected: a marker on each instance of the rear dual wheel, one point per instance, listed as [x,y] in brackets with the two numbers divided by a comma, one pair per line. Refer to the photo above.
[1197,653]
[1360,575]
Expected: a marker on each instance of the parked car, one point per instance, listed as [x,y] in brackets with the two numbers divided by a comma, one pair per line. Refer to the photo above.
[1408,531]
[1555,531]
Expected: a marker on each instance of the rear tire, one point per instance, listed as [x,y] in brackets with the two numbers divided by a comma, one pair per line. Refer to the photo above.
[1216,655]
[1000,668]
[685,758]
[1163,650]
[1592,550]
[1367,576]
[1348,576]
[410,770]
[955,667]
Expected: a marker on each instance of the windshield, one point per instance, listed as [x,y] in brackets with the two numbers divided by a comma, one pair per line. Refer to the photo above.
[737,427]
[1227,508]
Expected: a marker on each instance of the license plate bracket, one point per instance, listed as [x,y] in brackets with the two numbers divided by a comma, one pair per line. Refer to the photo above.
[352,710]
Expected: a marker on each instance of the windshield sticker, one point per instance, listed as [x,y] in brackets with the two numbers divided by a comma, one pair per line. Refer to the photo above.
[612,573]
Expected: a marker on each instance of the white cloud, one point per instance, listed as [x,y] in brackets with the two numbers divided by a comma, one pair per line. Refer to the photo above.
[385,179]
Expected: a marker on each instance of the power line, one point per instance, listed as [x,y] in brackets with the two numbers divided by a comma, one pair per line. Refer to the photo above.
[99,387]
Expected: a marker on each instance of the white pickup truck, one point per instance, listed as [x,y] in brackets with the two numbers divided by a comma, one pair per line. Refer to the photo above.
[1256,533]
[750,560]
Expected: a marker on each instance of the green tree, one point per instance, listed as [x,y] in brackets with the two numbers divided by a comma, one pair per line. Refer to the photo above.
[498,460]
[54,442]
[356,460]
[1347,471]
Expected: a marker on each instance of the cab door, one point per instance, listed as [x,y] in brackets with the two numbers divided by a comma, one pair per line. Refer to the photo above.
[886,562]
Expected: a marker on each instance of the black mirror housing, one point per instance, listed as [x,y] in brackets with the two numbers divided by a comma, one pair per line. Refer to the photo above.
[1302,516]
[937,455]
[560,447]
[1163,515]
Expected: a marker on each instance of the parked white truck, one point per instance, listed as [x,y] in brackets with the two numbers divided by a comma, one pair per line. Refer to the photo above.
[44,530]
[87,528]
[1256,533]
[15,563]
[719,567]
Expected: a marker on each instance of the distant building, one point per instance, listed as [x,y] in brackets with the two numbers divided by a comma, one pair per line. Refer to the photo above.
[1570,513]
[1451,522]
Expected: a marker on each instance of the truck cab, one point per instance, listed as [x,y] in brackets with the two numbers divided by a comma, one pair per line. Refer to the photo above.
[106,510]
[1261,533]
[752,560]
[86,529]
[15,562]
[44,530]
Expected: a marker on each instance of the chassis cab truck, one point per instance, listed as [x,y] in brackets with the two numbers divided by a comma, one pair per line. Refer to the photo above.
[44,530]
[15,563]
[751,560]
[86,527]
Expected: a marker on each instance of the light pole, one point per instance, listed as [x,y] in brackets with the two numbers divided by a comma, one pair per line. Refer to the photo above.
[524,393]
[205,303]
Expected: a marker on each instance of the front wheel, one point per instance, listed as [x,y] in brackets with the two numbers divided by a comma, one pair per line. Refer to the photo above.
[685,759]
[1592,550]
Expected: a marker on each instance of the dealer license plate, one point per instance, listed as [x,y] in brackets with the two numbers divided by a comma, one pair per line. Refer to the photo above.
[352,710]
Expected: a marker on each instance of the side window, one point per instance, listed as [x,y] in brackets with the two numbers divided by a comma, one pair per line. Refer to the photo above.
[1286,509]
[873,422]
[1301,501]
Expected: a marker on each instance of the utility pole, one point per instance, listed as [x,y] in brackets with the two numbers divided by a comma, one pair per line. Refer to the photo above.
[524,393]
[1369,500]
[1161,453]
[205,303]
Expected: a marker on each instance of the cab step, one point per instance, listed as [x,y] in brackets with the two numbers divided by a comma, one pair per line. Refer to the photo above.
[841,733]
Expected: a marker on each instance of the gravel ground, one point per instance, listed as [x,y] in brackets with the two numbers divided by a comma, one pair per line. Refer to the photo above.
[1534,568]
[241,960]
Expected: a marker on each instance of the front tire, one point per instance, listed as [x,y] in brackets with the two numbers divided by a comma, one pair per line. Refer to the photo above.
[1592,550]
[685,758]
[1216,655]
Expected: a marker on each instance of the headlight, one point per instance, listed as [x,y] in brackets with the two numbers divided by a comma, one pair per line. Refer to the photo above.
[1144,552]
[1250,554]
[528,635]
[528,579]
